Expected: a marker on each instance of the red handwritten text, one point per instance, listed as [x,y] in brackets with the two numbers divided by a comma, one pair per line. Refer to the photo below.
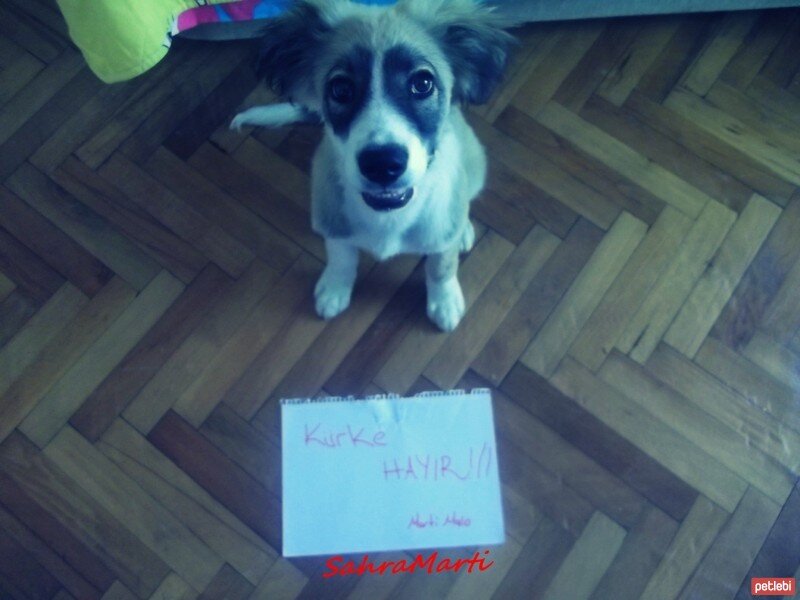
[337,439]
[338,566]
[440,467]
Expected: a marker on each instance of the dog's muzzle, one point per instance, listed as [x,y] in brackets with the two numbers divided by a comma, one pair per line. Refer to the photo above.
[388,200]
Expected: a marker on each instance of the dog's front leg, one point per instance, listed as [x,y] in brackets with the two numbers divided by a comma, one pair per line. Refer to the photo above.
[336,283]
[445,299]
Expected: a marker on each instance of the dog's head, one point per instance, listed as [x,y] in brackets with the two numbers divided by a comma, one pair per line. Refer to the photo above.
[383,80]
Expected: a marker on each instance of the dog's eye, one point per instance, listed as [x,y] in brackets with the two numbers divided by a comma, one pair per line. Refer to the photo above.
[341,90]
[421,84]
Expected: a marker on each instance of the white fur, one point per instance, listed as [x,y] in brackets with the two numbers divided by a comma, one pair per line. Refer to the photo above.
[269,115]
[435,221]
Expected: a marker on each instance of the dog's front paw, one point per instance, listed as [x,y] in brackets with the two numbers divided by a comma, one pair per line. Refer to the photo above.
[240,121]
[446,304]
[332,296]
[467,238]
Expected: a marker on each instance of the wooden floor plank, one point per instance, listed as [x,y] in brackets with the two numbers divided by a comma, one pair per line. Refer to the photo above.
[189,360]
[52,564]
[283,581]
[780,552]
[537,562]
[540,171]
[36,130]
[695,536]
[668,152]
[564,324]
[21,350]
[583,567]
[643,332]
[258,195]
[228,483]
[211,522]
[61,353]
[203,234]
[269,244]
[19,68]
[636,60]
[778,67]
[637,243]
[33,97]
[612,43]
[775,358]
[648,433]
[512,205]
[15,311]
[706,301]
[546,79]
[755,384]
[56,248]
[638,557]
[536,42]
[709,64]
[174,587]
[32,276]
[761,282]
[19,26]
[196,126]
[421,344]
[630,288]
[548,146]
[54,408]
[756,48]
[652,177]
[728,558]
[381,339]
[151,246]
[454,357]
[731,159]
[21,569]
[782,317]
[173,542]
[599,442]
[709,434]
[733,132]
[544,446]
[158,86]
[677,55]
[185,95]
[513,335]
[261,325]
[86,530]
[86,227]
[25,518]
[757,428]
[112,396]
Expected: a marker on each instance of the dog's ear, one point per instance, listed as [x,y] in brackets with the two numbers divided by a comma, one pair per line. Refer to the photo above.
[478,50]
[288,47]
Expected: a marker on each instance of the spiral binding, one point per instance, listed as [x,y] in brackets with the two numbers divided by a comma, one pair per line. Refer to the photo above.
[426,394]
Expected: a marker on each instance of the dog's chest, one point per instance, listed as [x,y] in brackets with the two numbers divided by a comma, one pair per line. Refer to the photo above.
[383,240]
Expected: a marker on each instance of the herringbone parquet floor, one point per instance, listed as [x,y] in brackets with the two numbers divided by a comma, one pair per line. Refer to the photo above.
[633,304]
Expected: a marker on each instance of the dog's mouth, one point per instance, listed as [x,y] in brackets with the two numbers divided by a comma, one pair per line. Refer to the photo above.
[388,199]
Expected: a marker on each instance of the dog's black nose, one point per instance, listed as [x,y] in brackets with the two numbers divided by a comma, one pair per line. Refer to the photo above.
[383,164]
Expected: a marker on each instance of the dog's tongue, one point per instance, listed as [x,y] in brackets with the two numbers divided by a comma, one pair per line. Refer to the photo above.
[388,200]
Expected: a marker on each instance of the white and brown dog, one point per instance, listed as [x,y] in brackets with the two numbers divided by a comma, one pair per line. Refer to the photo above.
[398,165]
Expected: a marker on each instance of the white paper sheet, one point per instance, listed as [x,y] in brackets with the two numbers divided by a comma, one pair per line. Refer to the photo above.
[389,474]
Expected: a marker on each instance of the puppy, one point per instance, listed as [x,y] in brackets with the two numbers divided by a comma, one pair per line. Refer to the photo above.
[398,165]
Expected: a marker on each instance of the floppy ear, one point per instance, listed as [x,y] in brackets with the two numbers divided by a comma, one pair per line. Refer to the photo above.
[288,48]
[478,49]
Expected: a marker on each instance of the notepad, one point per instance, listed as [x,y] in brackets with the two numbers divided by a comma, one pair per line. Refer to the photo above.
[389,473]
